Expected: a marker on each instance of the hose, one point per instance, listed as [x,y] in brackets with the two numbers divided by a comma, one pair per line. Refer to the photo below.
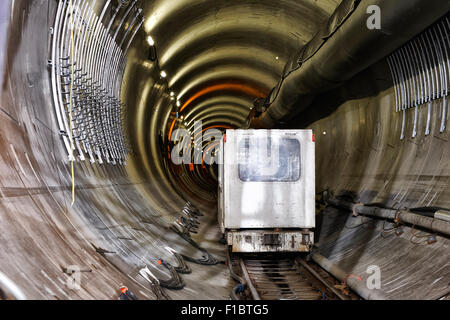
[175,282]
[158,291]
[182,267]
[240,287]
[207,258]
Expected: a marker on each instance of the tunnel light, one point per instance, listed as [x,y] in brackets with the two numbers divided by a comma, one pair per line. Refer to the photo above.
[163,74]
[150,41]
[172,94]
[324,133]
[178,103]
[276,58]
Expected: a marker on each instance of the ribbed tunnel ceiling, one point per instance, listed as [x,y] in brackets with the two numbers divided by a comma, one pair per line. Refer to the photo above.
[204,44]
[218,56]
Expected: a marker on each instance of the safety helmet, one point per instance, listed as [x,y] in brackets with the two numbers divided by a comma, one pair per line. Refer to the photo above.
[123,289]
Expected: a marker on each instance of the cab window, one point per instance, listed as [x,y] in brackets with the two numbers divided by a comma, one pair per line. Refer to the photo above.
[269,159]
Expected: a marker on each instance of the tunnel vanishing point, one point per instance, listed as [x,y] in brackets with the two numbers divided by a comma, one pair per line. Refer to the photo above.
[92,93]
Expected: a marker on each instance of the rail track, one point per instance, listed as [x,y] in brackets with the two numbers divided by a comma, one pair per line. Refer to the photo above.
[285,277]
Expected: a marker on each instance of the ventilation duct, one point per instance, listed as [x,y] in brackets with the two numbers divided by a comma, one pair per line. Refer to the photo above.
[350,49]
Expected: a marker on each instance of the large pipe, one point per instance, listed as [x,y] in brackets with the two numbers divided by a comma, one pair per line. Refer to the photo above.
[10,288]
[350,49]
[435,223]
[321,279]
[356,285]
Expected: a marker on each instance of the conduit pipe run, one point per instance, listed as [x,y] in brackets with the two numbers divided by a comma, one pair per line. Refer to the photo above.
[350,49]
[353,283]
[11,288]
[435,223]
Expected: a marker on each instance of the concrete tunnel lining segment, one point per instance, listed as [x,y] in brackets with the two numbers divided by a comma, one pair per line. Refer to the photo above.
[121,220]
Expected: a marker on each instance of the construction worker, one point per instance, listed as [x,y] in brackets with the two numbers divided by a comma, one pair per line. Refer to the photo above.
[2,295]
[126,294]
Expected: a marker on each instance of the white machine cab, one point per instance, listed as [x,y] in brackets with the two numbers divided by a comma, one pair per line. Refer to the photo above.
[267,190]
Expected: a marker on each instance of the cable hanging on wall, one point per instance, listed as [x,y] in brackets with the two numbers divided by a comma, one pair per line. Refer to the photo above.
[420,71]
[88,60]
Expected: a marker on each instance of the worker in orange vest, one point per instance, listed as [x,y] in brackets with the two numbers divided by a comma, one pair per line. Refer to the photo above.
[126,294]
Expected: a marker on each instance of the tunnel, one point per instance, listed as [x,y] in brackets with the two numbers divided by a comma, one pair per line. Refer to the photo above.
[93,94]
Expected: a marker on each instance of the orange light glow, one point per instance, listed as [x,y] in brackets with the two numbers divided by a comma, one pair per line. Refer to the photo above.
[206,151]
[171,128]
[219,87]
[225,86]
[214,127]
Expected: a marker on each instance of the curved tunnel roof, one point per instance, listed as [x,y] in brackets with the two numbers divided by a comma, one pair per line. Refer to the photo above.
[229,47]
[207,61]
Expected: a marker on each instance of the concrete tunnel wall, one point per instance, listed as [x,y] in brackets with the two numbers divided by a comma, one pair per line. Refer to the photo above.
[127,211]
[41,232]
[360,156]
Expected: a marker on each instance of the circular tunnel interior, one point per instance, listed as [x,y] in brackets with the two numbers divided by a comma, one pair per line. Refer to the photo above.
[113,211]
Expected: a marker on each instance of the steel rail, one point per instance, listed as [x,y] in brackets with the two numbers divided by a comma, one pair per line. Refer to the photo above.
[321,279]
[55,71]
[110,53]
[88,86]
[395,80]
[77,99]
[446,73]
[66,51]
[59,55]
[285,278]
[420,71]
[82,42]
[248,281]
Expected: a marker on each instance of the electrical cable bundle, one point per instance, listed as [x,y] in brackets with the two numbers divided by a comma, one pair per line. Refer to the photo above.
[175,282]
